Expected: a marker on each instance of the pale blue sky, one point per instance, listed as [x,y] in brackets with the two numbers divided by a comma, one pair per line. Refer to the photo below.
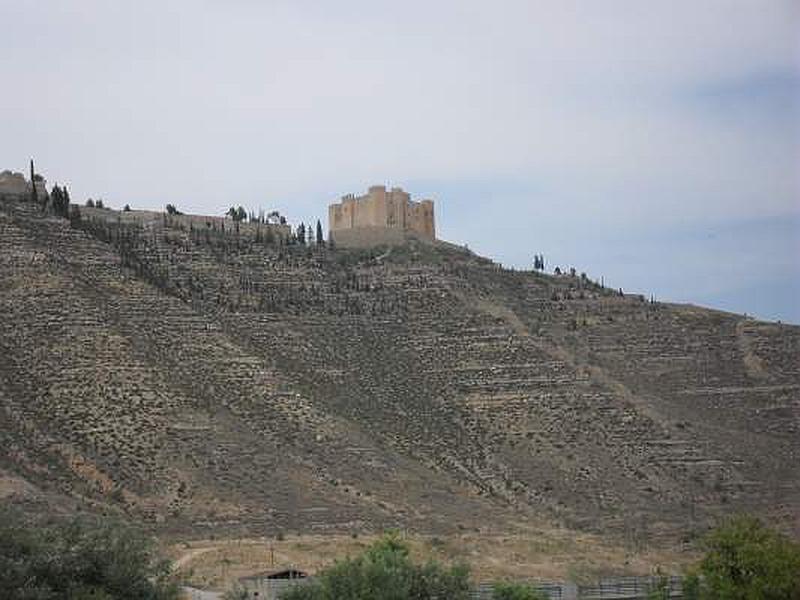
[654,143]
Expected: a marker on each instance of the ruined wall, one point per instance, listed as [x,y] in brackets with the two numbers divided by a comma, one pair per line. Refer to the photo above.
[380,216]
[196,221]
[14,185]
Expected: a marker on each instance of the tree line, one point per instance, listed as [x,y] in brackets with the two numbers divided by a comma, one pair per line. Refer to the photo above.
[84,558]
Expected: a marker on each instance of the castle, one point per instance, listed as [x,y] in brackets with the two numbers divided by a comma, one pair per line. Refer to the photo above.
[15,186]
[380,217]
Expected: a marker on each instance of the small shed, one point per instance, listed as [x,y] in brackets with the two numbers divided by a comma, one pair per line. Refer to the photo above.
[270,585]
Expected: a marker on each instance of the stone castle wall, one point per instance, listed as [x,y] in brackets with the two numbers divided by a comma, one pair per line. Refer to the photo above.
[14,185]
[380,216]
[144,217]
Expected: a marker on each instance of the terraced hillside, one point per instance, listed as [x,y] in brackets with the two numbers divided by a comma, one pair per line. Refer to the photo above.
[196,379]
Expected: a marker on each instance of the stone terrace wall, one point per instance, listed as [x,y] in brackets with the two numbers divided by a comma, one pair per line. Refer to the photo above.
[303,387]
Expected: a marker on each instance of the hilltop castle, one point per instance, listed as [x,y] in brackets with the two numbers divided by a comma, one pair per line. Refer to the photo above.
[380,217]
[15,186]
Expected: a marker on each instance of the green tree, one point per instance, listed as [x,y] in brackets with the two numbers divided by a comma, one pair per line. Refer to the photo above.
[745,560]
[660,589]
[237,214]
[516,591]
[320,239]
[59,201]
[79,559]
[385,572]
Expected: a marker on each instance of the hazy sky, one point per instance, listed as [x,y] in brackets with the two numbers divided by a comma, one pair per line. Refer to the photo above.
[655,143]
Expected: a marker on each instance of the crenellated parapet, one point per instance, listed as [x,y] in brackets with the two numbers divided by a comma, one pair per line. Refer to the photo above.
[380,216]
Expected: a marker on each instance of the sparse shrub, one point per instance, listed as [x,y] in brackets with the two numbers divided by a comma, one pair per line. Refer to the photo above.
[117,495]
[437,542]
[516,591]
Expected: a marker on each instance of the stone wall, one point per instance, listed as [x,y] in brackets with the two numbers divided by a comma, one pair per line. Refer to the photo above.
[366,237]
[380,216]
[144,217]
[14,185]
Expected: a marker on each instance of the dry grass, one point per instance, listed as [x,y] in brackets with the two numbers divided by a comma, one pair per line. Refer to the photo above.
[546,555]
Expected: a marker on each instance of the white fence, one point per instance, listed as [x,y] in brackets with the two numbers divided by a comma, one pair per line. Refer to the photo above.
[617,588]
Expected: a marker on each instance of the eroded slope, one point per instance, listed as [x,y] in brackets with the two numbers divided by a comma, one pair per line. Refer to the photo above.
[194,377]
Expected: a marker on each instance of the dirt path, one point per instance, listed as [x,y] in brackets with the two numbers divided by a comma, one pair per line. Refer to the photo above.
[190,555]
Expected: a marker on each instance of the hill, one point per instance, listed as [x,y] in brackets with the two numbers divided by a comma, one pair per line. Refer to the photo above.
[204,381]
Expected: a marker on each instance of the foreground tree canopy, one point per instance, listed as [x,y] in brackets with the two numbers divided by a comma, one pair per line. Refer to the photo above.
[80,559]
[746,561]
[385,571]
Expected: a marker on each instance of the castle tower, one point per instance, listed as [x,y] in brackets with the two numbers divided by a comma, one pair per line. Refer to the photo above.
[380,217]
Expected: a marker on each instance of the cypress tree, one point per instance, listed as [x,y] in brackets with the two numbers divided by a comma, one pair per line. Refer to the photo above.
[34,198]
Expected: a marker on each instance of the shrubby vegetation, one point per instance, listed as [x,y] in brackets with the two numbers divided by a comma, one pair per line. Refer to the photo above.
[59,200]
[385,572]
[660,590]
[237,214]
[516,591]
[80,559]
[746,561]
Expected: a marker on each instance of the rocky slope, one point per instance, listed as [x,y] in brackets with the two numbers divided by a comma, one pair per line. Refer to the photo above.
[200,379]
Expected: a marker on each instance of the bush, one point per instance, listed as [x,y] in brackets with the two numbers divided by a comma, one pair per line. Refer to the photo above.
[237,592]
[745,560]
[660,590]
[385,572]
[80,559]
[516,591]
